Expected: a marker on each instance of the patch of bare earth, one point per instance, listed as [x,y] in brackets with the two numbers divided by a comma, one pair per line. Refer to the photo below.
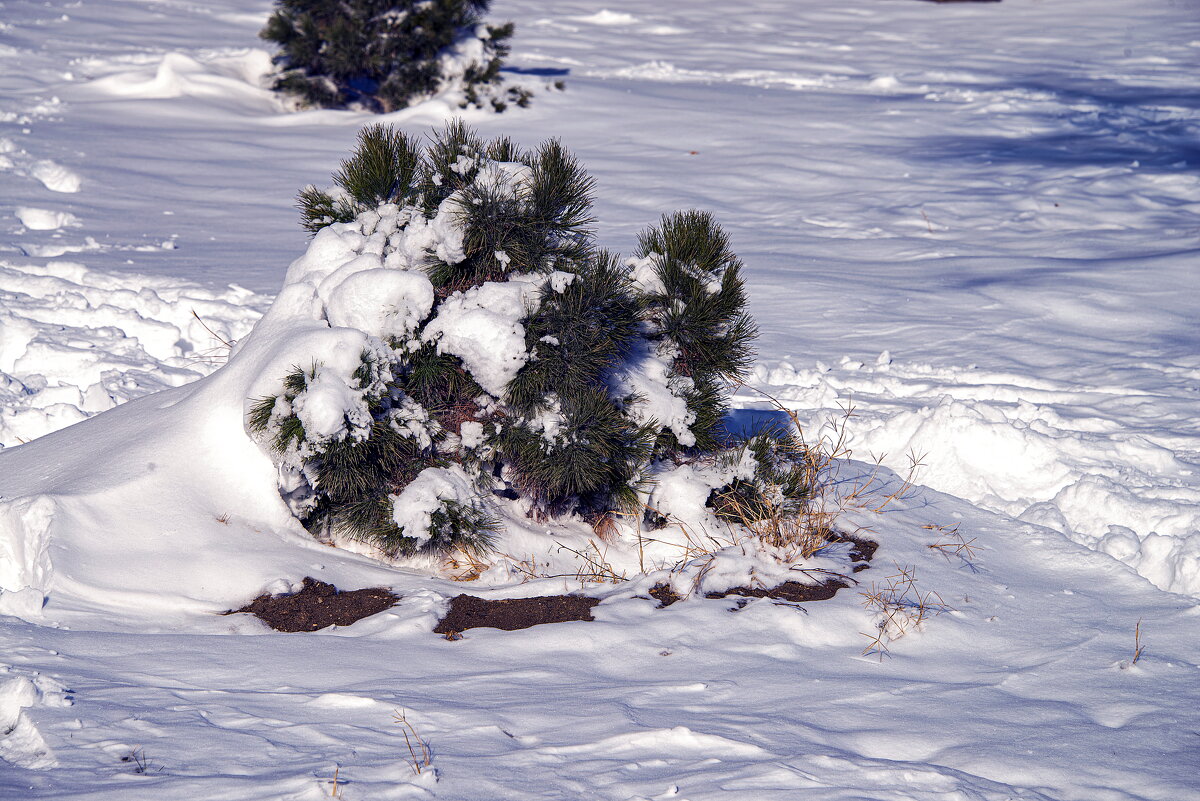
[861,553]
[510,614]
[318,605]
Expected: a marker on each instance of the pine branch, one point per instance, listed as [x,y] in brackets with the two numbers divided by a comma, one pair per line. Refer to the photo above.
[385,167]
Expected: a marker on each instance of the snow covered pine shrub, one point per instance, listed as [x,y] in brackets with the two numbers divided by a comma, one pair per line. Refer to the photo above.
[499,357]
[382,55]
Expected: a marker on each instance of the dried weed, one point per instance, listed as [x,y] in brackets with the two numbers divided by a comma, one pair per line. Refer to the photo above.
[899,607]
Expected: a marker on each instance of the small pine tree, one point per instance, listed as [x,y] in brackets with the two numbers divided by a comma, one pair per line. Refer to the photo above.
[383,55]
[528,363]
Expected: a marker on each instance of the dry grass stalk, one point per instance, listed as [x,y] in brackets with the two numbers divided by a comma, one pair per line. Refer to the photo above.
[1137,643]
[899,608]
[420,757]
[464,566]
[693,547]
[698,579]
[606,530]
[605,527]
[594,566]
[825,458]
[336,790]
[527,568]
[795,534]
[803,535]
[218,354]
[215,335]
[141,763]
[697,545]
[769,521]
[952,543]
[865,493]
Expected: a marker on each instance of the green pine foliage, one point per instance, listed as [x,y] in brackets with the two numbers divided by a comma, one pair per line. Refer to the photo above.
[698,309]
[592,464]
[383,55]
[566,434]
[383,169]
[779,486]
[578,333]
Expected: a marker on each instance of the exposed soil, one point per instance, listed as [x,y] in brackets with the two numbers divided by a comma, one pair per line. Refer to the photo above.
[470,612]
[861,553]
[317,606]
[787,591]
[664,595]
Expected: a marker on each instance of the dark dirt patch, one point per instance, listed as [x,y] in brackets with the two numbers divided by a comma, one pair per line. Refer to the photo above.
[861,551]
[317,606]
[470,612]
[787,591]
[664,595]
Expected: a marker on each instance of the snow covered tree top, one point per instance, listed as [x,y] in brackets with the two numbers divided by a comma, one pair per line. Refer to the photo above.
[481,346]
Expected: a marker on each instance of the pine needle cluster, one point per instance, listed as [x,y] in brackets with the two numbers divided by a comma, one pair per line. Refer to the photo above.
[778,485]
[698,306]
[383,55]
[624,365]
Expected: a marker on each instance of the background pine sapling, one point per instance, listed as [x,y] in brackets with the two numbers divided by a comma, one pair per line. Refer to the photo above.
[383,55]
[510,358]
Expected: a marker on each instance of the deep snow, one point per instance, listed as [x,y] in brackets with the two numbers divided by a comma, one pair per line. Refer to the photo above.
[976,222]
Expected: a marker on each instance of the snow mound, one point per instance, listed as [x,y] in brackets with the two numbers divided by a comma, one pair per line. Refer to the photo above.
[481,326]
[227,75]
[45,219]
[55,177]
[21,742]
[75,529]
[74,342]
[1093,461]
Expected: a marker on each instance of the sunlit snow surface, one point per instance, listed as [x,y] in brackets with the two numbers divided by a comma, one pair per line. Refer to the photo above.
[978,223]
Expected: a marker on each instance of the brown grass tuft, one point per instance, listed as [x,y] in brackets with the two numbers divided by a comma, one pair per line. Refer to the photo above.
[419,755]
[899,607]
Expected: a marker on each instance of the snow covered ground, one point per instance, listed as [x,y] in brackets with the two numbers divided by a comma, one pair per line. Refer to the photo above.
[977,222]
